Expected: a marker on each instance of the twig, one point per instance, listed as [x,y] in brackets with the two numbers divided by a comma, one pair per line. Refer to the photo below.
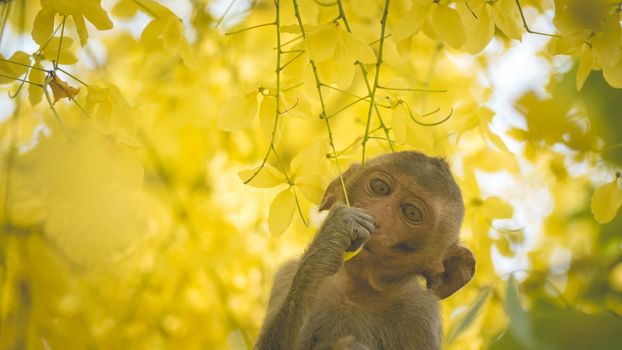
[451,112]
[409,89]
[252,27]
[51,104]
[19,88]
[290,41]
[23,65]
[346,107]
[19,79]
[60,42]
[378,40]
[471,10]
[428,79]
[343,17]
[341,90]
[73,77]
[318,85]
[291,60]
[372,94]
[4,18]
[290,108]
[271,147]
[45,44]
[522,16]
[146,9]
[224,14]
[608,148]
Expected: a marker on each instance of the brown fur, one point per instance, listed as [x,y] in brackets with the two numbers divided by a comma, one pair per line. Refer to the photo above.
[375,300]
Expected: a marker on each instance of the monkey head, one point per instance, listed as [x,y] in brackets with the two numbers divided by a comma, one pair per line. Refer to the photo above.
[418,210]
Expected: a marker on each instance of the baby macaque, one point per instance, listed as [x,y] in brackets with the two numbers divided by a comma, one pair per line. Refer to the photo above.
[406,210]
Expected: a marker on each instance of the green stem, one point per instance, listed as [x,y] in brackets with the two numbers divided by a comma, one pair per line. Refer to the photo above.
[318,86]
[45,44]
[451,112]
[19,79]
[298,207]
[292,60]
[522,16]
[146,9]
[51,104]
[73,77]
[19,88]
[253,27]
[343,17]
[290,41]
[60,43]
[271,148]
[4,18]
[224,14]
[408,89]
[428,79]
[608,148]
[346,107]
[23,65]
[372,95]
[342,91]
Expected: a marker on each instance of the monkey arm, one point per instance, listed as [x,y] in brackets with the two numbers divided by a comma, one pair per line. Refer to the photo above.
[296,284]
[294,289]
[291,297]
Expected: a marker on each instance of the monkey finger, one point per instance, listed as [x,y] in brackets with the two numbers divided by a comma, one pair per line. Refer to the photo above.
[367,223]
[359,211]
[361,233]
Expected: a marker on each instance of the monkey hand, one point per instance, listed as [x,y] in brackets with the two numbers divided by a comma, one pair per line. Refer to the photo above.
[345,229]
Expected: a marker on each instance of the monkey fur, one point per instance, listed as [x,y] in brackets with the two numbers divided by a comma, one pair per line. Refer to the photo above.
[407,210]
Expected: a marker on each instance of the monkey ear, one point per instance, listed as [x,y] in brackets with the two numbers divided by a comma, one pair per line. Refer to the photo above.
[459,269]
[334,191]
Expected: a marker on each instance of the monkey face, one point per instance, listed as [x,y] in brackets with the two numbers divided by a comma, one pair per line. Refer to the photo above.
[406,216]
[418,210]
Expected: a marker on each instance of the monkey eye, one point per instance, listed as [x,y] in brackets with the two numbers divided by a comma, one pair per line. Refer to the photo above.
[411,212]
[380,187]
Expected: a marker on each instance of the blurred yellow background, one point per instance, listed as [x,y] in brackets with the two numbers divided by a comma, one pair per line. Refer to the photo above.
[129,128]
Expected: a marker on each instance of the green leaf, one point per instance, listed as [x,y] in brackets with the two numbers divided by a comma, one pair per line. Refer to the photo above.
[520,324]
[470,316]
[567,329]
